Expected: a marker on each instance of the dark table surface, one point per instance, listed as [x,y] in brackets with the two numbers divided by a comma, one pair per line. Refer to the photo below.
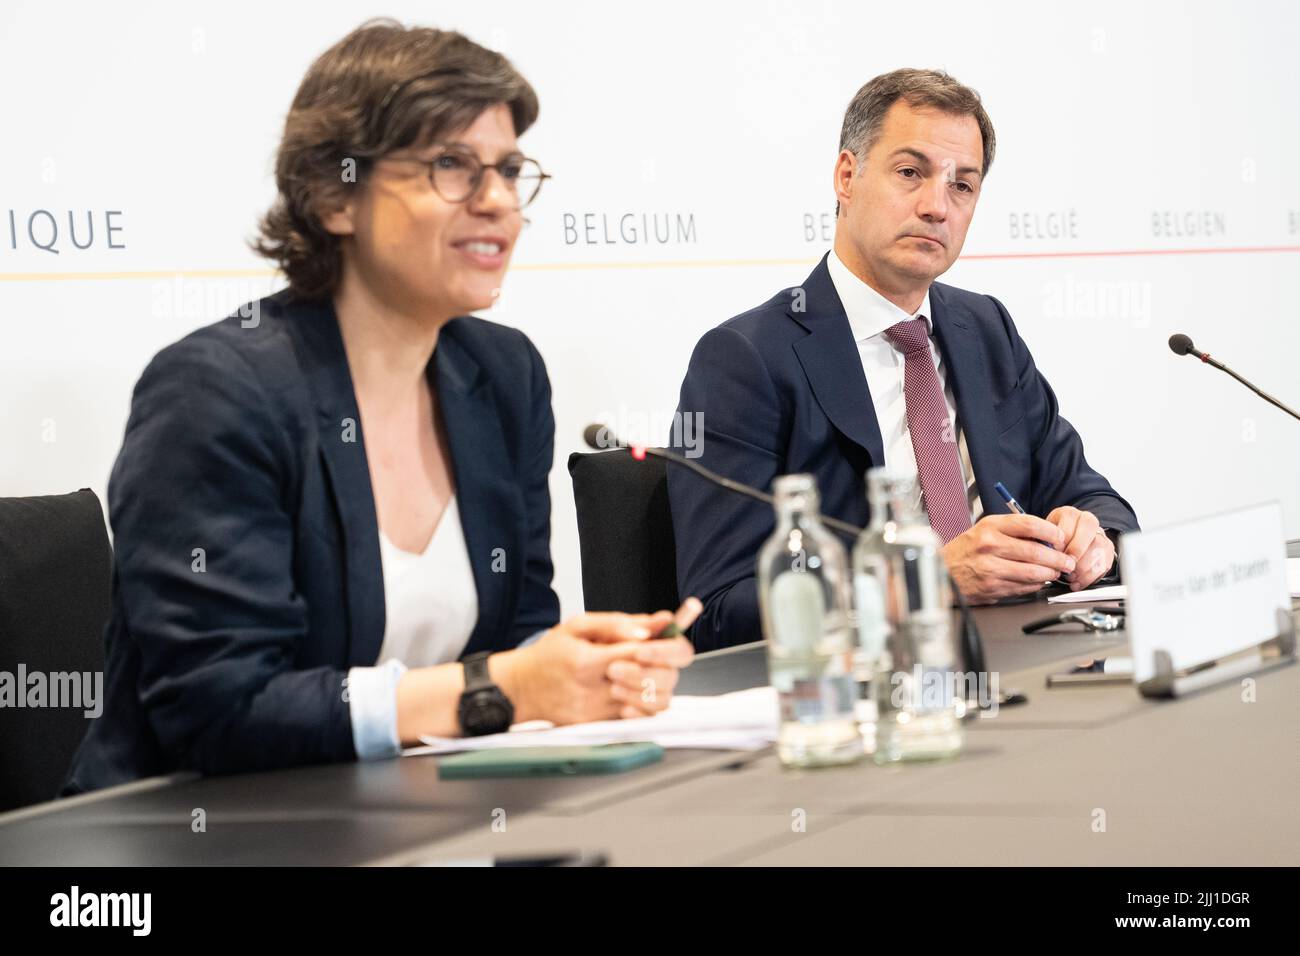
[364,812]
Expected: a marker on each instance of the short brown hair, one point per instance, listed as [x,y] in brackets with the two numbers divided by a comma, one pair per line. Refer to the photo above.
[934,88]
[382,88]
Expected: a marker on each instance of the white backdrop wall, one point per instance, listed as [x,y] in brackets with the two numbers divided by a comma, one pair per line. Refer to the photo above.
[1144,184]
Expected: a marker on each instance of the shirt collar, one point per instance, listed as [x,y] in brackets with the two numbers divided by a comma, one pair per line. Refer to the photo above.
[869,312]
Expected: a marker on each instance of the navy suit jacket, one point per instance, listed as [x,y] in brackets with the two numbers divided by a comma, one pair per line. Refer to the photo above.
[781,390]
[247,443]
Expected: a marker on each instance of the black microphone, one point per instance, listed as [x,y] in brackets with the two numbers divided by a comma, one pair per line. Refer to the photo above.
[1182,345]
[602,438]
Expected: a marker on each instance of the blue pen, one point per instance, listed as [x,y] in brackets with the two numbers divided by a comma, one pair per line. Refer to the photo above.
[1009,499]
[1014,505]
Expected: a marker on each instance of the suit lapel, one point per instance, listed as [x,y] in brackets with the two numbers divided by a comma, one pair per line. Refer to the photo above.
[967,374]
[343,452]
[830,359]
[491,508]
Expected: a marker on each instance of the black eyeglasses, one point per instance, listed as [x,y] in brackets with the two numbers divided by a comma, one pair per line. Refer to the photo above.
[457,173]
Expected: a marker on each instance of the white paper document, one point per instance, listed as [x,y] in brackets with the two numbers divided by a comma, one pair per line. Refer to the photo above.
[1114,592]
[1120,591]
[742,720]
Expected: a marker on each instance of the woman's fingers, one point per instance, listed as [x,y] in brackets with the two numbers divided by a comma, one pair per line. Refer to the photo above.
[645,689]
[651,695]
[639,673]
[634,677]
[627,673]
[686,614]
[612,626]
[668,652]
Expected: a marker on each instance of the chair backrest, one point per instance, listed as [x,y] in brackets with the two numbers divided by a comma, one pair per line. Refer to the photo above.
[56,570]
[625,531]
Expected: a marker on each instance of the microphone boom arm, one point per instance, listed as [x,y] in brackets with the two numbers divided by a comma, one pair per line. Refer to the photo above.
[600,438]
[1252,386]
[642,450]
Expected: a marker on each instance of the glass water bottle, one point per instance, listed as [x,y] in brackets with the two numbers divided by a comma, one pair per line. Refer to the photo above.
[905,621]
[803,591]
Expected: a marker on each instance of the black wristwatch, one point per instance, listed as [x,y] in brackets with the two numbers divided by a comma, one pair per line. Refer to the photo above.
[484,709]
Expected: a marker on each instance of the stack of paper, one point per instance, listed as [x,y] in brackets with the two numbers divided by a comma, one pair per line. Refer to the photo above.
[743,720]
[1120,591]
[1115,592]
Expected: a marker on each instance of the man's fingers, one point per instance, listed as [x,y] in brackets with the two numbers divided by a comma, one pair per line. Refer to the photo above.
[1031,527]
[1031,552]
[1095,562]
[1085,535]
[1067,519]
[1019,572]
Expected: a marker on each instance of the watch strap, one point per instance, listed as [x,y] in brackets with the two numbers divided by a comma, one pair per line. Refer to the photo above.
[477,676]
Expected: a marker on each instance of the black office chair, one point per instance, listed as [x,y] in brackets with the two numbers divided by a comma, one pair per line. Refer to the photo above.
[625,532]
[56,571]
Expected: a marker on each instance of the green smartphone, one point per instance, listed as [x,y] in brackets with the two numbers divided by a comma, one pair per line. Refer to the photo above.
[548,761]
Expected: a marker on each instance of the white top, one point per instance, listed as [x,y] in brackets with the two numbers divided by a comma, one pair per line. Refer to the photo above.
[430,603]
[870,314]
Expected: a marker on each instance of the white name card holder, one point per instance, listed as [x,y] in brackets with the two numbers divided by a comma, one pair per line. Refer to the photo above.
[1208,600]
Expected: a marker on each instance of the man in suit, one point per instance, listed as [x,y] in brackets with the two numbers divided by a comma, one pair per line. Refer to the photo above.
[871,362]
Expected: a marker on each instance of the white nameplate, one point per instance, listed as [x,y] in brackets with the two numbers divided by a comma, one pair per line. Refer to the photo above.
[1205,589]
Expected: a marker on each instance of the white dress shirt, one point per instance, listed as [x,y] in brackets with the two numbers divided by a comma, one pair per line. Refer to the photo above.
[870,314]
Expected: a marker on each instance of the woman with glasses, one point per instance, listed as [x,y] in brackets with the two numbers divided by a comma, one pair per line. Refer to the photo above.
[330,510]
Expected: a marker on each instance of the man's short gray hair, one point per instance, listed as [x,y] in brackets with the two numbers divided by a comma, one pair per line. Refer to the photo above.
[933,88]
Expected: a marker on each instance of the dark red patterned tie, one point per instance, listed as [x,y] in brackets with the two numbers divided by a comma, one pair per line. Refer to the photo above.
[933,438]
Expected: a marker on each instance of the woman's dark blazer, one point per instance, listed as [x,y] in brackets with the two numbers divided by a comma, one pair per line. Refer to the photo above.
[247,577]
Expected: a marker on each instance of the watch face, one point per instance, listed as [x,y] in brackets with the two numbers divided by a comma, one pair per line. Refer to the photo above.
[485,712]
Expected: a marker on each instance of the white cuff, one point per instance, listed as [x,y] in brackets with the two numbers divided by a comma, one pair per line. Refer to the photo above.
[372,702]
